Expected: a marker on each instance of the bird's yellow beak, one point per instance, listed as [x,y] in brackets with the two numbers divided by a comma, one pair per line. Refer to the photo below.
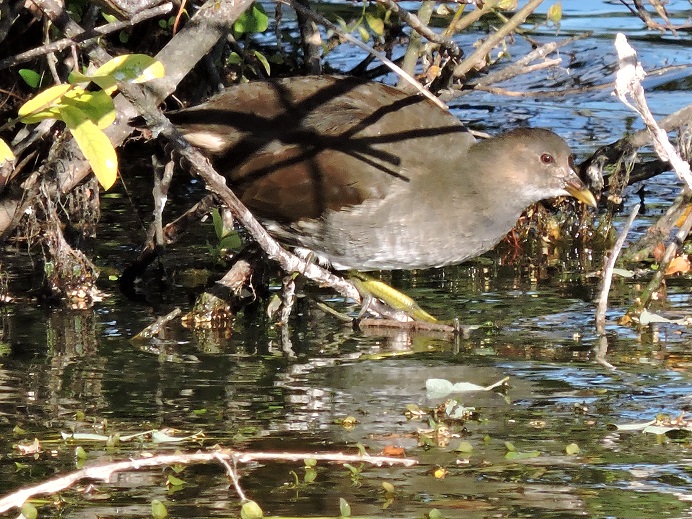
[579,191]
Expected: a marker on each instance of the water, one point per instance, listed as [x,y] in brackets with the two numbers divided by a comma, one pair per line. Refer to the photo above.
[253,388]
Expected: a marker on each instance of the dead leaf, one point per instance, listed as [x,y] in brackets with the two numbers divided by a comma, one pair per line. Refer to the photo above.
[678,265]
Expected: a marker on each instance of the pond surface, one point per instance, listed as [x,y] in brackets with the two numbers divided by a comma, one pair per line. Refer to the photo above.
[255,387]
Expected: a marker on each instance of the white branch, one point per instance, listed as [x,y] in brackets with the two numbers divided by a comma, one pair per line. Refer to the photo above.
[105,471]
[629,90]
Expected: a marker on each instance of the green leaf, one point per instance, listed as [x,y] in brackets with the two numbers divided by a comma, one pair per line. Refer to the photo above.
[310,475]
[134,68]
[464,447]
[507,5]
[218,223]
[97,106]
[29,511]
[263,60]
[344,508]
[95,146]
[173,481]
[572,449]
[555,13]
[158,509]
[251,510]
[375,23]
[252,20]
[80,453]
[234,59]
[516,455]
[364,34]
[41,106]
[30,77]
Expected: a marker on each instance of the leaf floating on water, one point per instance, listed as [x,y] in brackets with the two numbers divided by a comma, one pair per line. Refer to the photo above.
[634,426]
[661,425]
[572,449]
[646,318]
[464,447]
[625,273]
[439,387]
[516,455]
[251,510]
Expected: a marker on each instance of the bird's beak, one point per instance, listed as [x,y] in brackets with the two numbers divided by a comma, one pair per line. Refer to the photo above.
[578,190]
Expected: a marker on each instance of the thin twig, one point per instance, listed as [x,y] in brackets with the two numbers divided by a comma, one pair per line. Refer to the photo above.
[421,28]
[607,278]
[233,474]
[478,56]
[86,37]
[343,34]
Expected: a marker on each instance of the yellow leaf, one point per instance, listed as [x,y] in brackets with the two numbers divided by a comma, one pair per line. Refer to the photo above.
[95,146]
[6,154]
[440,473]
[135,68]
[375,23]
[42,106]
[555,13]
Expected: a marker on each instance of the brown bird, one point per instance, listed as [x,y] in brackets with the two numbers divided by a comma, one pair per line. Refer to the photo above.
[370,177]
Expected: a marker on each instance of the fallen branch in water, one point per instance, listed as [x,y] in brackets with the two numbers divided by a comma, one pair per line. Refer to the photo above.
[104,472]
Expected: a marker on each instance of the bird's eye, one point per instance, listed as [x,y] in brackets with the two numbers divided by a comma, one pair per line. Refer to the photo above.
[547,158]
[571,162]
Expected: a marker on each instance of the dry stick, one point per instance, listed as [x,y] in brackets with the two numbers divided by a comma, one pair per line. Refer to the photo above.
[607,279]
[518,68]
[470,18]
[105,471]
[86,37]
[479,54]
[628,86]
[233,475]
[421,27]
[396,68]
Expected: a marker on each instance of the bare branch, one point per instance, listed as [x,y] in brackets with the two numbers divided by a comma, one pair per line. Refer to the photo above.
[105,471]
[87,37]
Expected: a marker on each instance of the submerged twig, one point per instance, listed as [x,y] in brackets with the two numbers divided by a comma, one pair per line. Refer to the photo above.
[607,278]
